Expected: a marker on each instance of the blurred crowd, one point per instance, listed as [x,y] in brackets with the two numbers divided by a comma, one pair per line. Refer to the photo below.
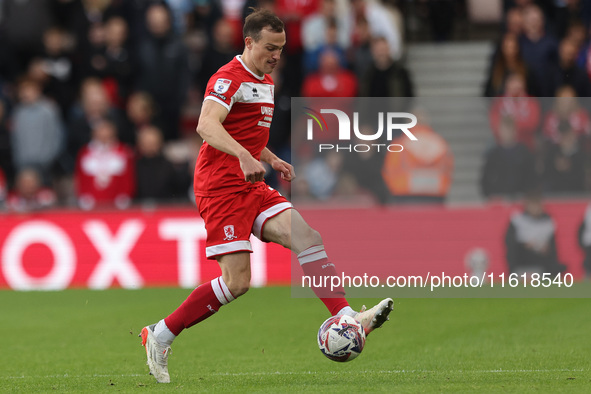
[99,99]
[541,143]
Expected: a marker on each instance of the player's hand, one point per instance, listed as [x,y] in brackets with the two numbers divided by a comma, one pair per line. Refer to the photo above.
[285,169]
[252,169]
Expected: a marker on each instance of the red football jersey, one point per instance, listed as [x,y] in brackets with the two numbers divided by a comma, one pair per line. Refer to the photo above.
[249,101]
[104,174]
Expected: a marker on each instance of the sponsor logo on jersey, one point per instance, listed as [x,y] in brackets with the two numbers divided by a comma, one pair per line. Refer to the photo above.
[222,85]
[266,110]
[255,92]
[212,93]
[229,232]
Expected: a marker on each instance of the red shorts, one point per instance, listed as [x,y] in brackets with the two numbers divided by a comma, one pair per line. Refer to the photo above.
[231,218]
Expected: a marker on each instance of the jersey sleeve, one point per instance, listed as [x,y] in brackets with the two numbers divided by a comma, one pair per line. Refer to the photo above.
[222,88]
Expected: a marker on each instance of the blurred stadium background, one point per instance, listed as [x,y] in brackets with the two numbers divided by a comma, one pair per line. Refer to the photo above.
[99,100]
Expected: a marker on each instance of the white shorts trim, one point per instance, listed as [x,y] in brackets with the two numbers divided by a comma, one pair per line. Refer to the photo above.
[230,247]
[275,210]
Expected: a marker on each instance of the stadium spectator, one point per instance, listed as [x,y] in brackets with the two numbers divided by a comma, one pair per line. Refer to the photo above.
[385,77]
[516,104]
[315,26]
[293,14]
[5,144]
[94,107]
[514,22]
[37,131]
[584,236]
[363,169]
[507,60]
[423,173]
[156,177]
[118,61]
[219,51]
[538,48]
[564,165]
[23,24]
[85,19]
[567,109]
[57,65]
[380,23]
[90,56]
[509,169]
[105,174]
[179,11]
[322,175]
[311,58]
[140,112]
[530,240]
[163,68]
[331,80]
[568,72]
[577,33]
[584,56]
[564,14]
[360,51]
[29,194]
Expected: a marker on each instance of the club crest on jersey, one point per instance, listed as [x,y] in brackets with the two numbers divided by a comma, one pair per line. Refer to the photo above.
[229,232]
[222,85]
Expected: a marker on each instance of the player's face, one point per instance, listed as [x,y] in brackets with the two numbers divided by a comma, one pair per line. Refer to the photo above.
[265,53]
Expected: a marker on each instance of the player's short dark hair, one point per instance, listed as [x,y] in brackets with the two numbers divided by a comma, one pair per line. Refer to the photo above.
[258,20]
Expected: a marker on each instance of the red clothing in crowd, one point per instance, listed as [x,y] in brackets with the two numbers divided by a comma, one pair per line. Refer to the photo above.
[43,198]
[578,121]
[524,110]
[292,12]
[105,174]
[341,84]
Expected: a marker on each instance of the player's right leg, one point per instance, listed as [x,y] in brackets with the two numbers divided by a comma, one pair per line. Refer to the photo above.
[202,303]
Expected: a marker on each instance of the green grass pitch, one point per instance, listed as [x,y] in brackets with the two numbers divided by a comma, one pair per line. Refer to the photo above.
[86,341]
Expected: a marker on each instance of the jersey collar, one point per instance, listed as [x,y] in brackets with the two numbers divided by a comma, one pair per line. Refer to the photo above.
[239,57]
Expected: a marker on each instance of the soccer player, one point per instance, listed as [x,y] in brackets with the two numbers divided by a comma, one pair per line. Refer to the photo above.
[234,200]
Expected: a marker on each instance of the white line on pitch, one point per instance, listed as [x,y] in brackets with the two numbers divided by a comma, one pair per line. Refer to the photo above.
[401,371]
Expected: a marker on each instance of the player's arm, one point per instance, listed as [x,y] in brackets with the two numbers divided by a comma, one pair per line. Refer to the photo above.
[210,128]
[286,169]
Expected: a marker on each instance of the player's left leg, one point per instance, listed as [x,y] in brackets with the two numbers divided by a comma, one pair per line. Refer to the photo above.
[290,230]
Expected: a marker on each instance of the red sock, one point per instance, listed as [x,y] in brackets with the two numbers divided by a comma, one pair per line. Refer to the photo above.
[314,262]
[203,302]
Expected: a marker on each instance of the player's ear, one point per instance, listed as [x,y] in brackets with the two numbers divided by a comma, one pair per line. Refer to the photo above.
[248,42]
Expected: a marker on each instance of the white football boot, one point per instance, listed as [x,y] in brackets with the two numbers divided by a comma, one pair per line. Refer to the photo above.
[157,355]
[376,316]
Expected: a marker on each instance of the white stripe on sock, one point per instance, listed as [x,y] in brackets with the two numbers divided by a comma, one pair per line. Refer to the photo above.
[313,253]
[221,290]
[310,250]
[226,291]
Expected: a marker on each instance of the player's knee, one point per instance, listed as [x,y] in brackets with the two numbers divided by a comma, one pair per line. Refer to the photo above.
[239,286]
[284,237]
[313,237]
